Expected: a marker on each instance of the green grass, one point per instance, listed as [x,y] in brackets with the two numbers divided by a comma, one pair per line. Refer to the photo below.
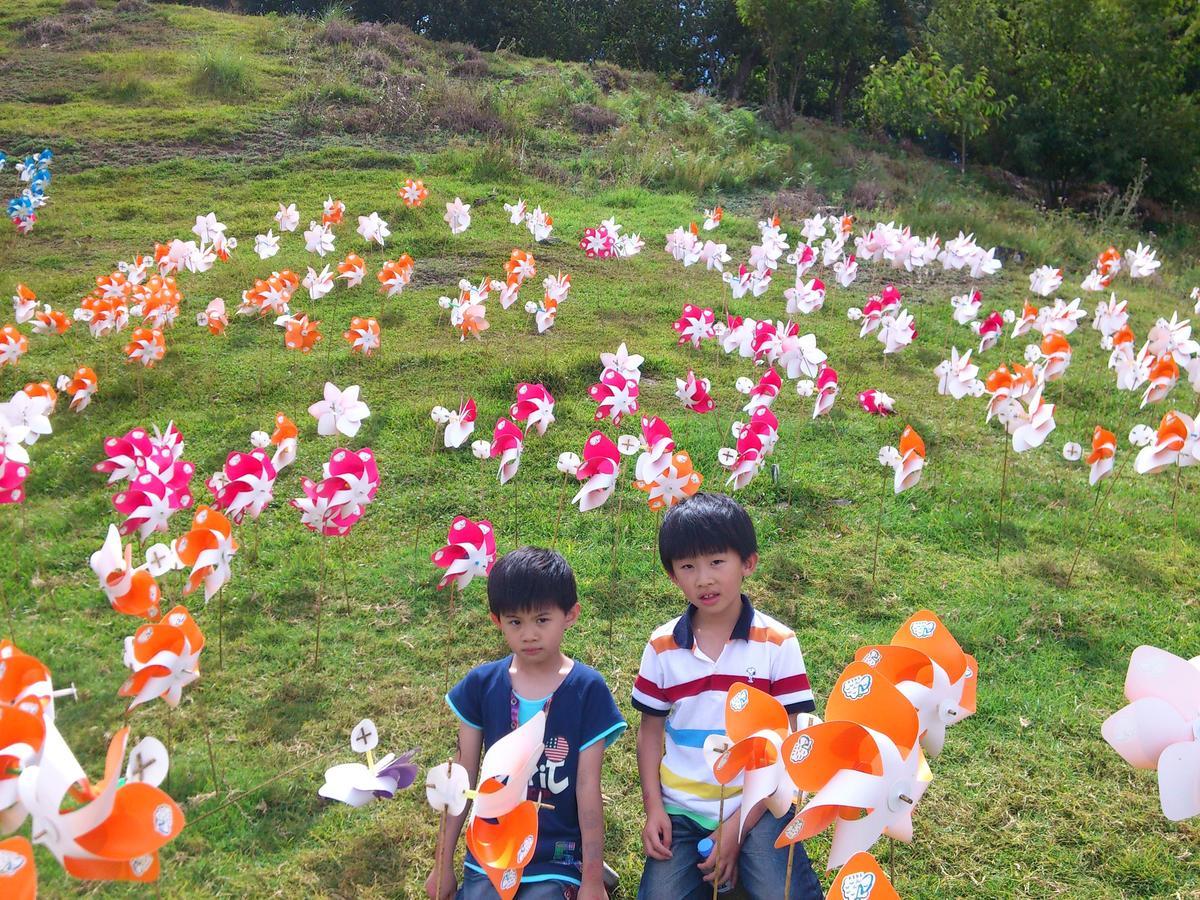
[1027,800]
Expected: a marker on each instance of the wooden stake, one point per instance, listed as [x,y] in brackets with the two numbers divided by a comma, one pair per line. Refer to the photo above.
[787,878]
[1003,486]
[1095,512]
[221,629]
[878,527]
[720,827]
[320,597]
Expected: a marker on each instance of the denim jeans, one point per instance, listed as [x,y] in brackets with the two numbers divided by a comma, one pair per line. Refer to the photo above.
[761,868]
[476,886]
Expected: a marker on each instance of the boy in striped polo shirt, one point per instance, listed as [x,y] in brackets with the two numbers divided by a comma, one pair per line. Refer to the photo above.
[708,546]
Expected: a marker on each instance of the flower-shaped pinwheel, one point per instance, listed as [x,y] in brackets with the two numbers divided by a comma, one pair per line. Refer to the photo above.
[1163,376]
[508,442]
[615,395]
[319,238]
[876,402]
[908,460]
[677,481]
[413,193]
[534,407]
[1031,426]
[827,391]
[340,412]
[1045,280]
[458,216]
[520,265]
[334,211]
[597,243]
[657,446]
[246,485]
[1056,356]
[363,335]
[395,275]
[1104,449]
[598,472]
[132,591]
[764,393]
[1160,728]
[288,217]
[693,392]
[299,333]
[357,785]
[150,500]
[470,551]
[695,325]
[352,269]
[164,658]
[1173,445]
[957,375]
[373,229]
[459,424]
[80,386]
[208,548]
[146,347]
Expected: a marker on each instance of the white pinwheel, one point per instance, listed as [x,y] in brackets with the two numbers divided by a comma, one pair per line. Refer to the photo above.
[340,411]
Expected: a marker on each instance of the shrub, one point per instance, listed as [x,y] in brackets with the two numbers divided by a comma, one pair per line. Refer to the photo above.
[609,78]
[459,111]
[132,6]
[589,119]
[122,86]
[222,74]
[471,68]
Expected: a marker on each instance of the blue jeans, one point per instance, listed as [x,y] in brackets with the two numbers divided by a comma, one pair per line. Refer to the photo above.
[476,886]
[761,868]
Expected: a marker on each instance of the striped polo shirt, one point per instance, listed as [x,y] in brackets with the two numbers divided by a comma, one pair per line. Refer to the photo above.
[678,680]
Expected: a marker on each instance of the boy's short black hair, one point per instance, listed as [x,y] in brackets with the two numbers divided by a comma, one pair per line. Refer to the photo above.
[704,524]
[531,578]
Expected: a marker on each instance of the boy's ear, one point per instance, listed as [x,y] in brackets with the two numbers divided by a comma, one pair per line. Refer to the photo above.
[495,619]
[749,564]
[573,615]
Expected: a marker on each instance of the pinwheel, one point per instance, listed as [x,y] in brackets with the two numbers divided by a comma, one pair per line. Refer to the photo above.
[470,551]
[353,269]
[765,392]
[266,245]
[876,402]
[693,392]
[756,725]
[928,666]
[1163,376]
[534,407]
[150,500]
[50,321]
[288,217]
[131,591]
[827,391]
[862,764]
[1110,316]
[1104,449]
[24,304]
[1142,262]
[712,218]
[675,481]
[285,437]
[81,387]
[458,216]
[598,472]
[1031,426]
[520,265]
[907,461]
[615,395]
[299,333]
[18,873]
[1173,338]
[746,459]
[164,658]
[110,831]
[208,548]
[43,389]
[334,211]
[459,425]
[246,485]
[871,315]
[508,442]
[13,345]
[957,375]
[1026,321]
[805,297]
[598,243]
[657,446]
[318,284]
[1159,728]
[897,332]
[539,224]
[799,354]
[1062,317]
[694,325]
[1173,445]
[29,411]
[413,193]
[363,335]
[340,412]
[516,211]
[373,229]
[1045,280]
[770,339]
[861,878]
[502,827]
[989,331]
[846,270]
[1055,355]
[395,275]
[1132,369]
[357,785]
[319,238]
[714,256]
[804,258]
[214,317]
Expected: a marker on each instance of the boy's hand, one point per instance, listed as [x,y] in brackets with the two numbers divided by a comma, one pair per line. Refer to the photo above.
[656,835]
[449,885]
[592,890]
[723,869]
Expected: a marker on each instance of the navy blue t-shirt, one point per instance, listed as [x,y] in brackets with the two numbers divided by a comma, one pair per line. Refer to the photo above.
[582,711]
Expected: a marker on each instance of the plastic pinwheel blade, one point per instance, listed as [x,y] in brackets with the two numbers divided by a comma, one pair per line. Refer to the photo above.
[446,788]
[507,767]
[1179,781]
[861,878]
[505,845]
[1141,731]
[18,873]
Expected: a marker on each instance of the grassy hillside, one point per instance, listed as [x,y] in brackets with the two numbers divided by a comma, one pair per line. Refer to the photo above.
[162,113]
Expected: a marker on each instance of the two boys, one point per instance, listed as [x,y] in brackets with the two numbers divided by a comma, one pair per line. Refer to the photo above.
[708,546]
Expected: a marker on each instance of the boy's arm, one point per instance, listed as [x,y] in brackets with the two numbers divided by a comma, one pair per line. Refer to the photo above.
[591,820]
[470,746]
[656,835]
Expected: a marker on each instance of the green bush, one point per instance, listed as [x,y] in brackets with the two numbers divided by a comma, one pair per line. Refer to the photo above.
[222,74]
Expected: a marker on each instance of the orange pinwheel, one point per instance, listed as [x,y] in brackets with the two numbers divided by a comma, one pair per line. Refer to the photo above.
[676,482]
[13,345]
[43,389]
[208,548]
[1164,374]
[1057,355]
[1104,448]
[146,347]
[164,657]
[756,725]
[861,879]
[80,386]
[352,269]
[285,429]
[363,335]
[1168,444]
[51,321]
[18,874]
[395,275]
[301,334]
[131,590]
[24,303]
[334,210]
[413,193]
[520,265]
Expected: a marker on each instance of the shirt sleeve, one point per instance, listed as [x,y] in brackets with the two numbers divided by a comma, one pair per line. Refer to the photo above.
[649,690]
[602,720]
[789,679]
[465,700]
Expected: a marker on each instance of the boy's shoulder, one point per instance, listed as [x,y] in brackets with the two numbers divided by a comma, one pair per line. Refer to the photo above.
[767,628]
[585,676]
[487,673]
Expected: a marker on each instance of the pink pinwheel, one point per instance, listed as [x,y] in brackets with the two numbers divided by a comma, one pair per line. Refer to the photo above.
[694,325]
[246,485]
[597,243]
[764,424]
[470,551]
[598,472]
[871,315]
[658,444]
[534,407]
[746,460]
[876,402]
[693,393]
[507,443]
[148,504]
[12,478]
[359,477]
[771,339]
[827,391]
[460,425]
[615,395]
[989,331]
[1160,728]
[317,510]
[805,297]
[628,364]
[764,393]
[897,331]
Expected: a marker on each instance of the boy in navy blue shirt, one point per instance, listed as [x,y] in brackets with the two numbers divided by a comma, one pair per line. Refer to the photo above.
[533,601]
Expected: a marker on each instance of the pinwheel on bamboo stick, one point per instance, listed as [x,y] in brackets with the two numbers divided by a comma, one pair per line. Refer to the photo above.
[299,333]
[615,396]
[130,590]
[164,658]
[1163,375]
[460,424]
[1055,355]
[674,483]
[989,331]
[245,486]
[208,548]
[534,407]
[764,393]
[81,385]
[827,391]
[413,193]
[1104,450]
[24,304]
[363,335]
[214,318]
[508,442]
[395,275]
[339,412]
[599,471]
[356,784]
[1174,445]
[50,321]
[694,325]
[957,376]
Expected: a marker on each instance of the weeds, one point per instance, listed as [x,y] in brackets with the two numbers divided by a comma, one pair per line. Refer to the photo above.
[222,74]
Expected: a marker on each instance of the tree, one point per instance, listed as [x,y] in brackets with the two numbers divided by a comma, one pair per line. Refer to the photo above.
[918,95]
[779,27]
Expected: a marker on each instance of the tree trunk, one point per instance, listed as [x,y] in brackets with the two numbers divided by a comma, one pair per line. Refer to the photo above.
[962,156]
[747,63]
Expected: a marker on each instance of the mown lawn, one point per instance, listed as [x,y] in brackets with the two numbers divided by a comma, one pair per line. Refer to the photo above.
[1027,799]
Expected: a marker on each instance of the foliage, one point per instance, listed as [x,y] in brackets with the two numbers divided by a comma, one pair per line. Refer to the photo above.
[222,74]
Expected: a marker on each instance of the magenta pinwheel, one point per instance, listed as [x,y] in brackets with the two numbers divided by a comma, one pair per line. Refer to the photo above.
[470,551]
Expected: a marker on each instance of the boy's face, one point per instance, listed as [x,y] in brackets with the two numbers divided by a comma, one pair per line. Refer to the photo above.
[712,582]
[535,635]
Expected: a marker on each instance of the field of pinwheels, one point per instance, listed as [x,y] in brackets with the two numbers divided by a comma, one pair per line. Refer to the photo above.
[590,307]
